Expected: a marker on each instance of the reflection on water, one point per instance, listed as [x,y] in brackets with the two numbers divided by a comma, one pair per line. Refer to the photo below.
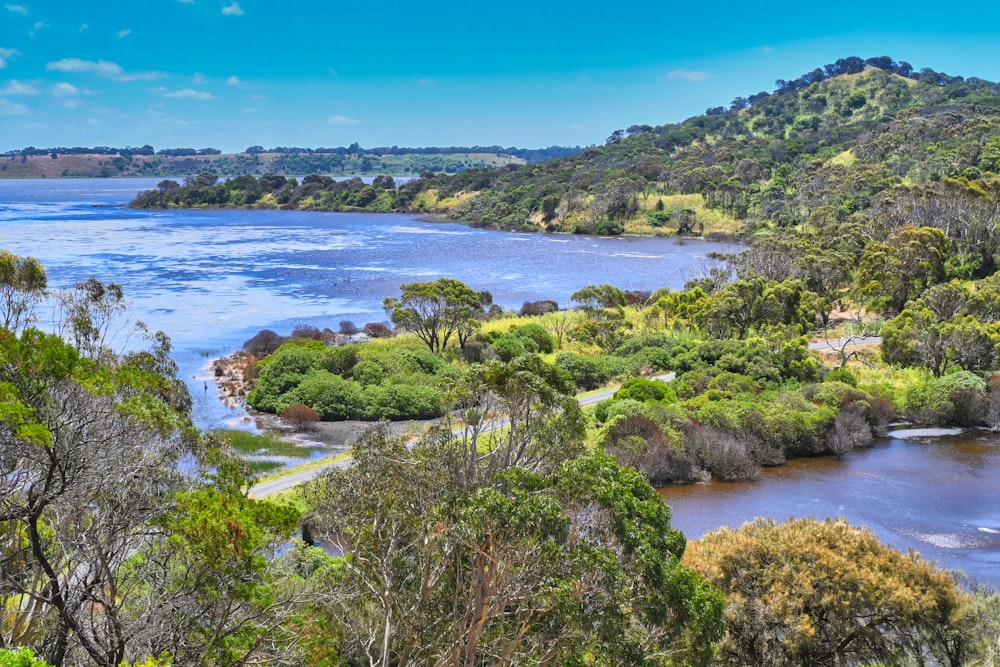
[937,494]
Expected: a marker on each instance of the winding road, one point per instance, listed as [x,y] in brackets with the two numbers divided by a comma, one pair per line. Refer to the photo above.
[286,482]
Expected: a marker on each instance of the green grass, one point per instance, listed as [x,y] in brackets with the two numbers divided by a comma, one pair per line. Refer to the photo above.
[253,444]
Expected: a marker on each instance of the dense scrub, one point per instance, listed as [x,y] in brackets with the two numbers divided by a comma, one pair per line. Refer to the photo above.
[368,381]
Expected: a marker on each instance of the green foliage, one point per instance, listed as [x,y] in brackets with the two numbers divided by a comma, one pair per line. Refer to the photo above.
[375,381]
[535,338]
[22,657]
[509,346]
[642,390]
[435,311]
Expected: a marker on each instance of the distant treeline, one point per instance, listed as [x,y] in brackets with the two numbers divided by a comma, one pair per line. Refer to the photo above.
[528,154]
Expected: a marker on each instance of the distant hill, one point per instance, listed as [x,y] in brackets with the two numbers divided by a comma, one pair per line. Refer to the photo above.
[238,164]
[857,138]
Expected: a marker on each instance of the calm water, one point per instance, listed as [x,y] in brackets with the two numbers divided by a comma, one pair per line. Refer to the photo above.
[212,279]
[937,495]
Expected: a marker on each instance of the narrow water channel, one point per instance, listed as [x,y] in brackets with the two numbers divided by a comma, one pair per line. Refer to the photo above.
[931,491]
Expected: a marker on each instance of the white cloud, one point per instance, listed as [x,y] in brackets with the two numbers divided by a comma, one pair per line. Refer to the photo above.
[70,104]
[693,76]
[18,88]
[84,27]
[199,79]
[35,28]
[342,120]
[232,10]
[8,108]
[123,33]
[7,54]
[186,2]
[17,9]
[65,90]
[105,68]
[183,94]
[235,82]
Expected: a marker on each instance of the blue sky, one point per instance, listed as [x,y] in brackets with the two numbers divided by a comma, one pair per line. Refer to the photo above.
[231,74]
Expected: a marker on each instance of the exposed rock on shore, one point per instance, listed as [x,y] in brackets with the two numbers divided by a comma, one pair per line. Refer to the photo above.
[235,376]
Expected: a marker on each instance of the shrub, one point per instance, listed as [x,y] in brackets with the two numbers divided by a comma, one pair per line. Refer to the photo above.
[281,373]
[299,416]
[841,375]
[638,442]
[339,360]
[642,390]
[586,372]
[533,308]
[377,330]
[333,397]
[508,347]
[540,339]
[809,592]
[347,328]
[727,455]
[850,430]
[400,401]
[264,343]
[368,372]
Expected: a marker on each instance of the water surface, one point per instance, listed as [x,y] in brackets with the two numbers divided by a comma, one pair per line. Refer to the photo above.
[212,279]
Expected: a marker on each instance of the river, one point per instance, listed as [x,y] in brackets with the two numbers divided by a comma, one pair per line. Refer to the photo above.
[211,279]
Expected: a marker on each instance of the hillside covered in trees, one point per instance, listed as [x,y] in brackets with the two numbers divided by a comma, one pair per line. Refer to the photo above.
[131,162]
[857,140]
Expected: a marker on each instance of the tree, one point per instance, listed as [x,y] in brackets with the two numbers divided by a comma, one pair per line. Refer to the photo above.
[809,592]
[893,271]
[508,554]
[22,286]
[435,311]
[94,492]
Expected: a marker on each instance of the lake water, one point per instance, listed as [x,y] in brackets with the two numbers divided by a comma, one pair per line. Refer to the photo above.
[211,279]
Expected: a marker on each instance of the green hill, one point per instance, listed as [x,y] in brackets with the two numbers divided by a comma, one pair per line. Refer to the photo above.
[853,140]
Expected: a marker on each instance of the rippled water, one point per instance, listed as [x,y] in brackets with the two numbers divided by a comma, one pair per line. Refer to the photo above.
[212,279]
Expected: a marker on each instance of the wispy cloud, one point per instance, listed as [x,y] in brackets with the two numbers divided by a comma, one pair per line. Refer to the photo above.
[123,33]
[64,89]
[6,55]
[232,10]
[183,94]
[18,88]
[17,9]
[199,79]
[8,108]
[35,28]
[766,49]
[342,120]
[104,68]
[691,76]
[235,82]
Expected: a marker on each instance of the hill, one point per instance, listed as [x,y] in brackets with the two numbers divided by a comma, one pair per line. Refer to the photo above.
[857,141]
[851,139]
[53,164]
